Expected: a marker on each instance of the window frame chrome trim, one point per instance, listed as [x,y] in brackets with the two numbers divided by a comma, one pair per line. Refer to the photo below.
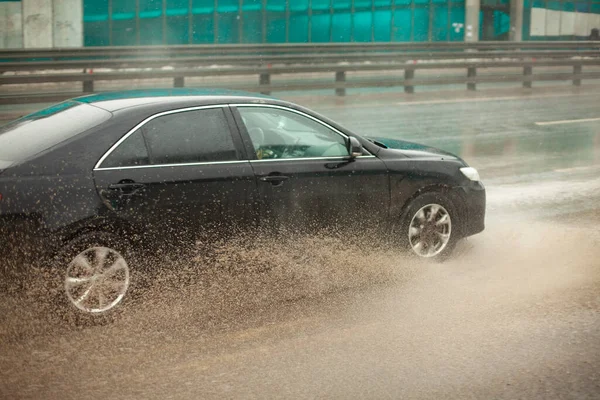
[171,165]
[97,166]
[315,119]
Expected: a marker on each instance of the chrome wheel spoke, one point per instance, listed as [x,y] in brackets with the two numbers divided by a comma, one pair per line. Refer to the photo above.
[71,280]
[443,236]
[82,262]
[119,264]
[433,212]
[430,251]
[100,255]
[444,220]
[418,247]
[84,295]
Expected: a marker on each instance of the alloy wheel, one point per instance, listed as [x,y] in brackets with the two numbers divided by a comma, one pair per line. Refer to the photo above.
[97,280]
[429,230]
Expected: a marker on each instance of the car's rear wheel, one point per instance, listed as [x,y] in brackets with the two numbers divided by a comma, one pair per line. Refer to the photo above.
[95,272]
[429,226]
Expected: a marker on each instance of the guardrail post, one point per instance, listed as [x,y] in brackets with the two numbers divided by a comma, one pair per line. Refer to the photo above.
[265,80]
[577,71]
[179,81]
[340,76]
[88,86]
[471,73]
[409,74]
[527,71]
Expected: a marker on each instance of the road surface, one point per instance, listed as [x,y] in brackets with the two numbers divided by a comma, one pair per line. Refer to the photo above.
[516,314]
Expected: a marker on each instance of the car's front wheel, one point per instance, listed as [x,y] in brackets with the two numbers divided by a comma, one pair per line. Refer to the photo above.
[429,226]
[96,276]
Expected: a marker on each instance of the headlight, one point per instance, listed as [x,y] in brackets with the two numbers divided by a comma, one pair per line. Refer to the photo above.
[470,173]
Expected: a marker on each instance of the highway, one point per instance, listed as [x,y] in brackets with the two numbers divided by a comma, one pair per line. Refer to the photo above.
[516,314]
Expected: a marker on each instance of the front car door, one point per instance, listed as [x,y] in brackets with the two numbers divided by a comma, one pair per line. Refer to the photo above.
[179,171]
[304,174]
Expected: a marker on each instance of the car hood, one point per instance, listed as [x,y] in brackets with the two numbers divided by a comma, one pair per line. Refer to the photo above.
[411,149]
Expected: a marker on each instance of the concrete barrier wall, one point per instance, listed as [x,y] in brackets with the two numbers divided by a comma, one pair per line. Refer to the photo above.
[41,23]
[68,23]
[11,25]
[37,23]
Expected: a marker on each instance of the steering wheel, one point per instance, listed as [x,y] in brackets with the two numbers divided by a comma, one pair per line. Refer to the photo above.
[330,148]
[257,136]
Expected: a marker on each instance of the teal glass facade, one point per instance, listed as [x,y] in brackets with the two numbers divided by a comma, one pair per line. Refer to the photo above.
[146,22]
[170,22]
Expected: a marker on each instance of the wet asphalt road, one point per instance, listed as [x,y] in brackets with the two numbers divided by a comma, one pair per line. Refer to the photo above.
[516,314]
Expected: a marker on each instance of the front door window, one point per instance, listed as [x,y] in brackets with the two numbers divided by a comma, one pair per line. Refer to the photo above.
[278,134]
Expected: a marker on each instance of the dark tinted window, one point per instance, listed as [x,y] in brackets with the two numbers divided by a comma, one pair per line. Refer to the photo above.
[34,133]
[191,136]
[131,152]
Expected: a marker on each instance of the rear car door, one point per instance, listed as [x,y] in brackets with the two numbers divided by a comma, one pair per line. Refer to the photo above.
[304,174]
[179,171]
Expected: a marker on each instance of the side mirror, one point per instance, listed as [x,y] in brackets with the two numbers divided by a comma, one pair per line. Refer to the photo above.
[355,148]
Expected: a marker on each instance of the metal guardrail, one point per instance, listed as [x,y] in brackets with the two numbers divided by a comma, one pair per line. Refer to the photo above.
[24,66]
[308,58]
[271,49]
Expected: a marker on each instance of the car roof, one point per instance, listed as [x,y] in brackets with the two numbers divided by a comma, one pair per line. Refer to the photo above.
[114,101]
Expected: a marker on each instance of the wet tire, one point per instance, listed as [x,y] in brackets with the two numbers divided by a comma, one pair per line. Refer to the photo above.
[429,227]
[93,278]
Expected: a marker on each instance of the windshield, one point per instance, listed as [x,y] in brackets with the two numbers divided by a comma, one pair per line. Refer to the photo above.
[34,133]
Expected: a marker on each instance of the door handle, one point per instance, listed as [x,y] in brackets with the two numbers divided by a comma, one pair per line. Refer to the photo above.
[126,189]
[118,195]
[275,180]
[126,186]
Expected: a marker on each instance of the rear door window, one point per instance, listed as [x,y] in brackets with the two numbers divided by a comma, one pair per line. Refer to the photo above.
[190,137]
[131,152]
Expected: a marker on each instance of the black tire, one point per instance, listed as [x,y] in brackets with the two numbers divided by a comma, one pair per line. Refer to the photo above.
[423,202]
[72,281]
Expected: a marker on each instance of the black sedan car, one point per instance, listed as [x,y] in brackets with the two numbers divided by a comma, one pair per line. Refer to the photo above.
[81,179]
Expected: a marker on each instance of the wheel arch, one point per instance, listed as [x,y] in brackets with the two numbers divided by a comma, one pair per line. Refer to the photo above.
[115,226]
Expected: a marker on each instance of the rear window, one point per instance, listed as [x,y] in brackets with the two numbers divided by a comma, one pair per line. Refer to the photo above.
[34,133]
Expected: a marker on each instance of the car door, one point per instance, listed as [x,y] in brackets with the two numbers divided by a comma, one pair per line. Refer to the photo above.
[179,171]
[304,174]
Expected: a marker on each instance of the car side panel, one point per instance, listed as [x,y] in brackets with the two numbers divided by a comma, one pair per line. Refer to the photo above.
[56,187]
[409,177]
[176,199]
[47,206]
[179,198]
[320,192]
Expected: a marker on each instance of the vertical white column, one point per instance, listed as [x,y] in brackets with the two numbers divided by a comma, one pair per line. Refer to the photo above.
[516,20]
[37,23]
[68,23]
[581,24]
[472,21]
[11,32]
